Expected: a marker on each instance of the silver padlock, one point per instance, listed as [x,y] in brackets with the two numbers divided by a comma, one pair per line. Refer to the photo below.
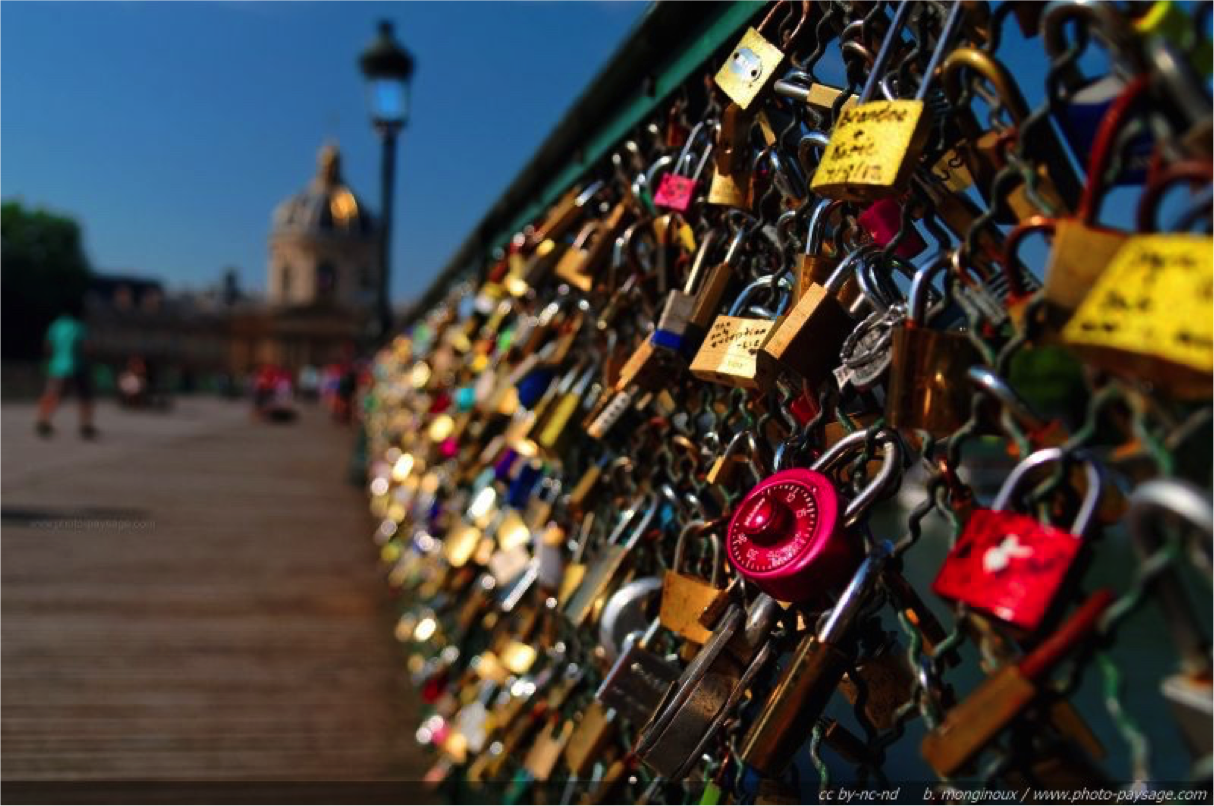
[604,567]
[627,612]
[1188,692]
[638,679]
[710,688]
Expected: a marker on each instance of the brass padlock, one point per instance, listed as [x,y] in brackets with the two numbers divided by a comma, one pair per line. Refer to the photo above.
[1081,249]
[928,387]
[807,341]
[685,596]
[750,67]
[587,599]
[875,146]
[730,185]
[581,263]
[729,354]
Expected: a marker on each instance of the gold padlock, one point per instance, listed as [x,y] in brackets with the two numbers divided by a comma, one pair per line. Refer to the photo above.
[730,352]
[875,146]
[927,378]
[750,68]
[684,596]
[581,262]
[1081,249]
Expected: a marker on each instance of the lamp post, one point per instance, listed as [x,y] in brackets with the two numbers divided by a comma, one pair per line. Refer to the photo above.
[388,69]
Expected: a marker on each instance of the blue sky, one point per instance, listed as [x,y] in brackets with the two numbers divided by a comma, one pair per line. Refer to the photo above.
[170,131]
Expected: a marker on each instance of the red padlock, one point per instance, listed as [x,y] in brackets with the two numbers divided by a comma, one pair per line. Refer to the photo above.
[1009,565]
[790,533]
[883,220]
[677,189]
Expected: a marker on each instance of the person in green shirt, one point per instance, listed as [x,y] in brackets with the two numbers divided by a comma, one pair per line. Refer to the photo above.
[67,371]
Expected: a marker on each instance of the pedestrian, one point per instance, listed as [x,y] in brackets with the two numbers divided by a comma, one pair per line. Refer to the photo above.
[67,371]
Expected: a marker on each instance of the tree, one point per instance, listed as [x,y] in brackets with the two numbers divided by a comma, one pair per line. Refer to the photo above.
[43,271]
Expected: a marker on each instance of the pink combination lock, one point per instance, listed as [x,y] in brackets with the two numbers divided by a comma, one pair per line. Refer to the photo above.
[883,219]
[790,536]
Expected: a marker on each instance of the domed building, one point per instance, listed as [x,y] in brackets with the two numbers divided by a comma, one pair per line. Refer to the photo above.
[324,245]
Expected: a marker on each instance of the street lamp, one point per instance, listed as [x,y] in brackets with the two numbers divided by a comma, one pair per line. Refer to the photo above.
[388,69]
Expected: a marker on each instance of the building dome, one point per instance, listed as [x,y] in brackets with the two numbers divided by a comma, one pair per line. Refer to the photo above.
[327,207]
[324,245]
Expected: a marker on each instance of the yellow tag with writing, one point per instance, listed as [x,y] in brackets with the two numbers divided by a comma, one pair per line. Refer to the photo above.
[1150,313]
[872,151]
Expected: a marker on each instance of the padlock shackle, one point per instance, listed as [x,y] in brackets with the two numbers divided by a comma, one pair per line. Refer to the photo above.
[855,595]
[586,195]
[817,224]
[1103,145]
[765,282]
[951,24]
[1193,170]
[663,162]
[985,379]
[921,286]
[988,67]
[1191,505]
[1092,470]
[757,455]
[891,466]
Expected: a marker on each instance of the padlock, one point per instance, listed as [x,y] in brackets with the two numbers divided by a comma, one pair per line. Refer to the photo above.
[883,682]
[1152,507]
[1012,566]
[815,265]
[876,145]
[729,354]
[686,596]
[1055,180]
[627,611]
[707,302]
[973,724]
[565,213]
[584,603]
[750,67]
[580,264]
[927,382]
[788,535]
[807,341]
[1149,313]
[554,428]
[638,679]
[677,188]
[819,97]
[730,179]
[744,449]
[1081,250]
[709,689]
[883,219]
[671,332]
[811,675]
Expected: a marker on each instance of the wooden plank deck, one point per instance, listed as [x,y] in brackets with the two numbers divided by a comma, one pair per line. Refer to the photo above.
[194,598]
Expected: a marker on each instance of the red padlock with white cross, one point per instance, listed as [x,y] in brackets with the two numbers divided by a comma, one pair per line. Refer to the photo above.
[1010,565]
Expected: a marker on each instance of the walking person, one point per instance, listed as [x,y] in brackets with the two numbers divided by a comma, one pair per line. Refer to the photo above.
[67,371]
